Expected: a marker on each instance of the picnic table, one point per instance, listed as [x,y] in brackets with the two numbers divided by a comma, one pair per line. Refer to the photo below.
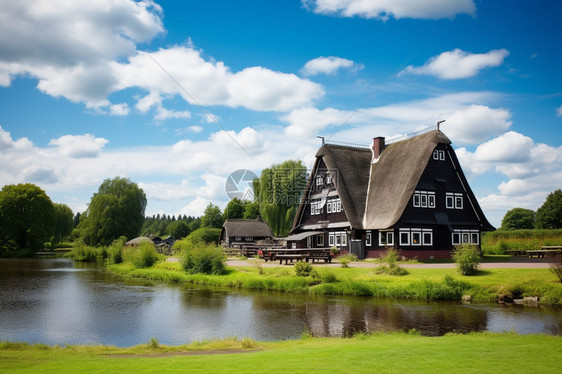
[544,251]
[296,254]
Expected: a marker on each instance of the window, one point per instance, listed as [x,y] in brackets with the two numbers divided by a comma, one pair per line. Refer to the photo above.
[368,239]
[315,207]
[343,239]
[329,207]
[427,237]
[439,155]
[466,236]
[328,179]
[416,237]
[424,199]
[453,200]
[308,242]
[338,239]
[331,241]
[320,240]
[249,238]
[386,238]
[319,180]
[238,239]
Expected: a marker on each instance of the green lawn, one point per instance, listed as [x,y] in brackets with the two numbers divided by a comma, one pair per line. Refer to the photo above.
[385,353]
[428,284]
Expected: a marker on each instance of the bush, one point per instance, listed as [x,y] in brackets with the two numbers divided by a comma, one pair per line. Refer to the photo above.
[142,256]
[115,251]
[206,259]
[84,253]
[467,258]
[390,267]
[346,259]
[555,265]
[205,235]
[303,269]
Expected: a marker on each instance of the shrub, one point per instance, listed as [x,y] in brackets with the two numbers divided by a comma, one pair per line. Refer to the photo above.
[391,268]
[206,259]
[303,269]
[84,253]
[555,265]
[346,259]
[467,258]
[142,256]
[204,235]
[115,251]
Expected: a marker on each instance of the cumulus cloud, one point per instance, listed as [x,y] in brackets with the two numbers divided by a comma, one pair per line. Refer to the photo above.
[328,65]
[469,118]
[79,146]
[119,109]
[384,9]
[458,64]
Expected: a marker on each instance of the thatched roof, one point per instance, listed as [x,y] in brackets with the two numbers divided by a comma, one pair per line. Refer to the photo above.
[247,227]
[394,178]
[136,241]
[352,181]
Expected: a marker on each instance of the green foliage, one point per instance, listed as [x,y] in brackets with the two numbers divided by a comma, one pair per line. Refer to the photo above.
[346,259]
[278,192]
[212,217]
[518,218]
[555,265]
[467,258]
[64,223]
[252,210]
[153,343]
[178,229]
[117,209]
[303,269]
[205,259]
[142,256]
[85,253]
[499,241]
[27,217]
[205,235]
[549,215]
[235,209]
[115,251]
[390,266]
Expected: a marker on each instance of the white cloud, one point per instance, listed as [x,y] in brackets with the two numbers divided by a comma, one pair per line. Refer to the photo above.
[384,9]
[458,64]
[162,114]
[79,146]
[195,129]
[559,111]
[476,123]
[119,109]
[328,65]
[306,122]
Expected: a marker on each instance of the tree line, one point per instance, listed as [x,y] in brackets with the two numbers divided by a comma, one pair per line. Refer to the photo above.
[548,216]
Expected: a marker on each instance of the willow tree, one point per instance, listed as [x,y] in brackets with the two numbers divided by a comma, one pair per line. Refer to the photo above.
[116,210]
[278,192]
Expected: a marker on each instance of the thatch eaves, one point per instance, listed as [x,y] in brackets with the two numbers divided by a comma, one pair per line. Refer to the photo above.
[395,176]
[247,227]
[352,179]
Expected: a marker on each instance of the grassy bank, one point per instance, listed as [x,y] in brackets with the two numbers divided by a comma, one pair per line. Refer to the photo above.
[387,353]
[427,284]
[499,241]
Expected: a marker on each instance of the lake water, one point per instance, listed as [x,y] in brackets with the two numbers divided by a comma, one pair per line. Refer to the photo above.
[57,301]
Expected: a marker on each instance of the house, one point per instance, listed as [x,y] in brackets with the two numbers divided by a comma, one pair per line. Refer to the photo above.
[243,232]
[411,195]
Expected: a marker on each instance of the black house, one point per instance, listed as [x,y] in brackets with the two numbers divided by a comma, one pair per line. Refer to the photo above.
[411,195]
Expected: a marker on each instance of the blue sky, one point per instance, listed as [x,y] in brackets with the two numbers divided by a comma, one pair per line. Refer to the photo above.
[176,95]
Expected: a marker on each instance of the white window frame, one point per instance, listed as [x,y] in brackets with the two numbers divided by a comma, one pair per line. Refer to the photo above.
[439,155]
[329,206]
[328,179]
[331,239]
[465,236]
[413,233]
[368,239]
[424,200]
[431,200]
[458,198]
[308,241]
[319,180]
[238,238]
[450,200]
[320,240]
[427,232]
[475,239]
[344,239]
[417,199]
[403,242]
[249,238]
[436,155]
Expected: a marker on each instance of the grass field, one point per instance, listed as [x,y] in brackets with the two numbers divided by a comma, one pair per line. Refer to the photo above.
[385,353]
[427,284]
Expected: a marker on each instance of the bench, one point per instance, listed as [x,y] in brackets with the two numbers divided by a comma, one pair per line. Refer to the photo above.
[290,257]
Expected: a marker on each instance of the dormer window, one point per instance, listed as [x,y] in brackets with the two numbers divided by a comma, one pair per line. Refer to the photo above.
[319,180]
[328,179]
[439,155]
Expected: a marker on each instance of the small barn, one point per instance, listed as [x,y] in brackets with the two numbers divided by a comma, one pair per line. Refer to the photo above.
[236,233]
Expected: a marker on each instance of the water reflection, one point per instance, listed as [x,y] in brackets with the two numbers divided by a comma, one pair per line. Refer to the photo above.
[58,302]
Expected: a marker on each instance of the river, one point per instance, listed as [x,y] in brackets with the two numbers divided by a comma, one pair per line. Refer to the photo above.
[57,301]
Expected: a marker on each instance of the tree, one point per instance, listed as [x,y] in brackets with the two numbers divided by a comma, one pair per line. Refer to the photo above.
[518,218]
[117,209]
[549,215]
[26,217]
[178,229]
[235,209]
[278,192]
[64,222]
[212,217]
[252,210]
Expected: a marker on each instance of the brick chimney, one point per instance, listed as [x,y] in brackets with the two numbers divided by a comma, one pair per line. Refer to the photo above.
[377,147]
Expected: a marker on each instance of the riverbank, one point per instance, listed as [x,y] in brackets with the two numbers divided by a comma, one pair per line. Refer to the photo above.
[385,352]
[425,283]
